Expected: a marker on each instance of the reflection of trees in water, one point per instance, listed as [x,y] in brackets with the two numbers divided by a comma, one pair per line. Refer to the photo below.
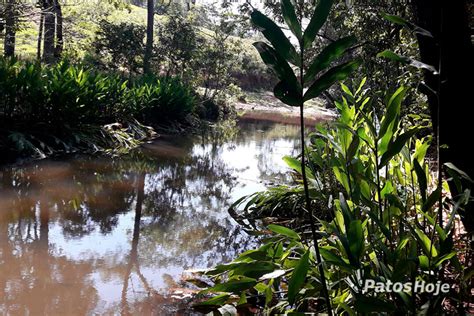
[179,193]
[28,270]
[82,196]
[270,137]
[186,205]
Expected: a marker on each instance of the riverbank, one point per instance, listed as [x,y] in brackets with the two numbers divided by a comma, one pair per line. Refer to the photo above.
[263,106]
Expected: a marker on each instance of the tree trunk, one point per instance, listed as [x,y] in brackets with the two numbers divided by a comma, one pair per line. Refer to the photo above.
[149,36]
[450,50]
[49,32]
[59,30]
[40,36]
[10,28]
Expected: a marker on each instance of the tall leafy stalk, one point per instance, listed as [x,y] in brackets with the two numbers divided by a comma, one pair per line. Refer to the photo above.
[279,55]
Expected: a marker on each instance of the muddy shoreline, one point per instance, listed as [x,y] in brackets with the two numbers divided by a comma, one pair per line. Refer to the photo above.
[265,107]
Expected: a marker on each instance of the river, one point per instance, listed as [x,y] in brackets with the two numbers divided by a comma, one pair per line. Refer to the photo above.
[90,235]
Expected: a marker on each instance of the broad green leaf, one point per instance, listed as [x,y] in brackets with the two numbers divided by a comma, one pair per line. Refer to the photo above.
[298,277]
[295,164]
[273,275]
[288,11]
[425,242]
[320,15]
[333,75]
[353,147]
[284,231]
[218,300]
[253,254]
[278,64]
[242,299]
[448,256]
[287,94]
[355,236]
[275,35]
[421,175]
[387,189]
[329,54]
[348,216]
[361,85]
[332,258]
[221,268]
[395,147]
[433,198]
[365,189]
[421,146]
[393,111]
[424,262]
[269,293]
[348,92]
[260,287]
[412,27]
[212,304]
[233,286]
[403,242]
[407,61]
[254,269]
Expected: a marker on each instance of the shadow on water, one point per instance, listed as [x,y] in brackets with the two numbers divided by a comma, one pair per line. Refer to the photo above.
[87,235]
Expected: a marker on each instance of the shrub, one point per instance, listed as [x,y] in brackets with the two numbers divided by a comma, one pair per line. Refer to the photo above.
[159,100]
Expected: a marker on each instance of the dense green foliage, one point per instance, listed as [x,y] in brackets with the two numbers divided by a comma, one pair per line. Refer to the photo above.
[162,100]
[381,222]
[120,45]
[62,107]
[382,214]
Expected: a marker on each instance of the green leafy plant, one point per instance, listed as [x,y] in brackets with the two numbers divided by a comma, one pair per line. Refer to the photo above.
[281,55]
[382,221]
[65,107]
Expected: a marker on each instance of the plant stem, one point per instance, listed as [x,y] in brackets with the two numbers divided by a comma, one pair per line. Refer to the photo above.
[310,211]
[306,189]
[377,169]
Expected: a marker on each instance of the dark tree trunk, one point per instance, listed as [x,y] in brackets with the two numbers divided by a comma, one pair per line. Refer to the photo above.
[59,29]
[149,36]
[49,31]
[40,36]
[451,51]
[10,28]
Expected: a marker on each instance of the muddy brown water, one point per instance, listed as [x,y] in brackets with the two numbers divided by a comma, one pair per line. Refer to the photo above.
[99,236]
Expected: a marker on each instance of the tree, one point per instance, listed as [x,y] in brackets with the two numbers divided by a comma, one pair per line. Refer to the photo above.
[40,36]
[218,53]
[11,25]
[49,30]
[149,35]
[178,44]
[120,45]
[59,29]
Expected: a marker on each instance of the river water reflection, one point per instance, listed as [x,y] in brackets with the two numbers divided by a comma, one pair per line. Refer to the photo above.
[102,236]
